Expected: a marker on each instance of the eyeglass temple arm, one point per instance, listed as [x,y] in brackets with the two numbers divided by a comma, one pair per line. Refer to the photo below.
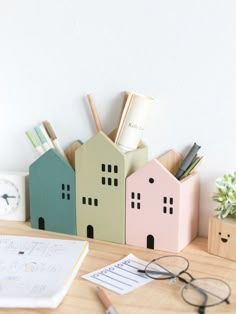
[155,272]
[201,309]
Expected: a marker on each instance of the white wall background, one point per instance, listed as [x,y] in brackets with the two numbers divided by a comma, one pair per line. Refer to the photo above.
[182,52]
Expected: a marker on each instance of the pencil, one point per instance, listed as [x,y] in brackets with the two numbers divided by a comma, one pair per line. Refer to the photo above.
[110,309]
[126,95]
[94,112]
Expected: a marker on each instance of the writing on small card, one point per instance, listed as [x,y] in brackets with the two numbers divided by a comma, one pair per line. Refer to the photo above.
[122,276]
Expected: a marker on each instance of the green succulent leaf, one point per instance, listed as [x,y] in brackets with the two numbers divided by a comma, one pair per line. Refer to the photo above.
[225,195]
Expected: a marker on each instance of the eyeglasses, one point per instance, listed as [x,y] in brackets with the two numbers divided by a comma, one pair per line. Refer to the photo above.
[199,292]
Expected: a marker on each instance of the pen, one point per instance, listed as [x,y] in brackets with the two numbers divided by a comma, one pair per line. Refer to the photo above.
[110,309]
[53,137]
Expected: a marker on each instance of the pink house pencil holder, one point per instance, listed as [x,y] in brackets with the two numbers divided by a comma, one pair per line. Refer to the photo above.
[161,211]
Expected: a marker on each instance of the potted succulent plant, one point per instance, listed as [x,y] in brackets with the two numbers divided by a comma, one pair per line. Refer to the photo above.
[226,196]
[222,227]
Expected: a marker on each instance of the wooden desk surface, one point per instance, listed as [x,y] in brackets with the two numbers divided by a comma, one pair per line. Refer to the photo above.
[155,297]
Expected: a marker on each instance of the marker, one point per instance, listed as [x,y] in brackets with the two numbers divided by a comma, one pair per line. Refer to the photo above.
[53,137]
[187,160]
[35,141]
[110,309]
[42,138]
[192,167]
[46,135]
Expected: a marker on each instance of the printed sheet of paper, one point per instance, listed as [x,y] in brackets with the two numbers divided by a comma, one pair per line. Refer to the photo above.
[35,270]
[122,276]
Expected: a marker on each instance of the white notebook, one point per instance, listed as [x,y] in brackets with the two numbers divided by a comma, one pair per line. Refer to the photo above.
[38,272]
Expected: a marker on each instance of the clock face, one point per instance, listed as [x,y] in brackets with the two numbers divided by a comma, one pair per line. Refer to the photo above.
[9,197]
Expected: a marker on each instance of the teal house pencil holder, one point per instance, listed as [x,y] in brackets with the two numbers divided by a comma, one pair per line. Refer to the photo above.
[52,193]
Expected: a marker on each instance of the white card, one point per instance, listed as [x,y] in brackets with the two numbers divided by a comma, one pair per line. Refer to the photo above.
[122,276]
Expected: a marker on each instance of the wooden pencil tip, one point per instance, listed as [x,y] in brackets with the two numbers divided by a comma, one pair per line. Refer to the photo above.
[90,97]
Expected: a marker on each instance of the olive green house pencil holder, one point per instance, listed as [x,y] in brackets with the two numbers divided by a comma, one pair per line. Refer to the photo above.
[101,171]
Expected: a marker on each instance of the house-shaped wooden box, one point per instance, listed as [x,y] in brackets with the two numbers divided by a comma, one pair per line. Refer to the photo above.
[101,171]
[161,211]
[52,193]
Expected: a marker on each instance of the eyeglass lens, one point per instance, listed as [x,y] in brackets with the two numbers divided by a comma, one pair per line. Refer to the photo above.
[167,267]
[206,292]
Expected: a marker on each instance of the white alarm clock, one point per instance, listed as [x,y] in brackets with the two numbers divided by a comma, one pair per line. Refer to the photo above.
[14,204]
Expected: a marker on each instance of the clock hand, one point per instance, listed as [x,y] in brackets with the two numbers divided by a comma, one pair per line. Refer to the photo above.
[5,197]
